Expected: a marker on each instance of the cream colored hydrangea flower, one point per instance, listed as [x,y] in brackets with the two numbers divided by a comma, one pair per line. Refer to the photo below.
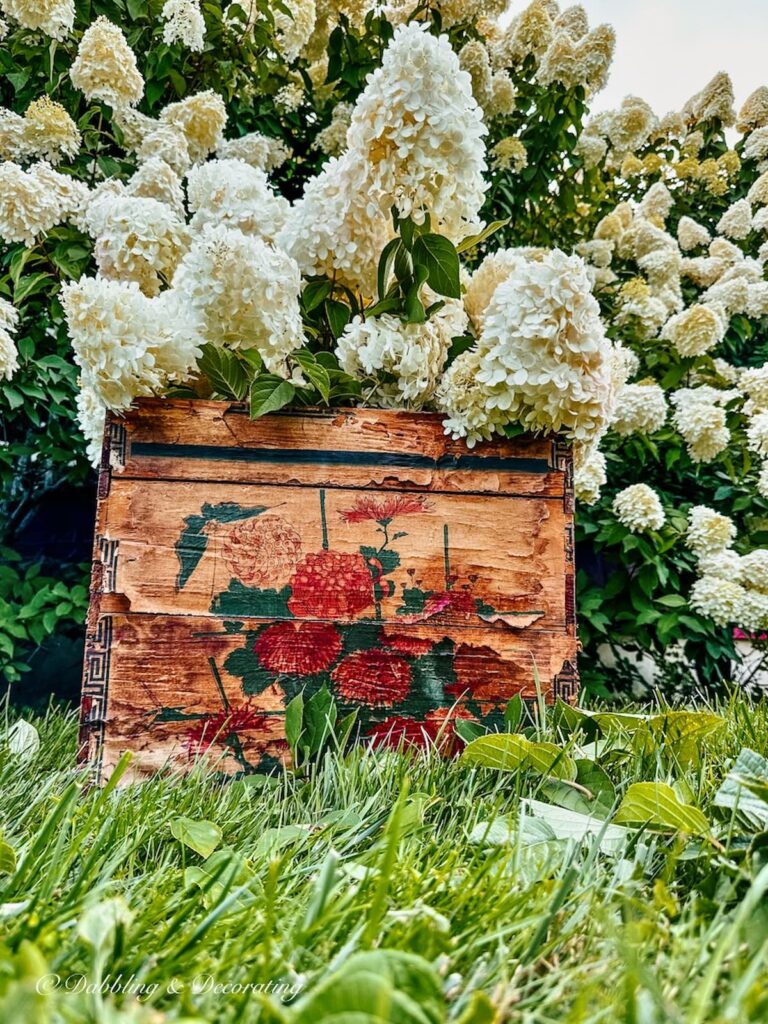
[701,421]
[757,434]
[403,361]
[105,67]
[762,480]
[420,132]
[753,382]
[509,154]
[155,179]
[233,193]
[691,235]
[137,239]
[27,211]
[91,417]
[243,294]
[695,331]
[656,204]
[529,33]
[725,564]
[11,136]
[631,125]
[126,344]
[294,30]
[719,599]
[708,531]
[754,570]
[201,118]
[591,148]
[168,143]
[475,60]
[639,508]
[333,230]
[9,359]
[715,100]
[290,97]
[640,409]
[758,192]
[736,222]
[495,268]
[333,138]
[184,23]
[543,351]
[48,132]
[598,251]
[258,150]
[503,101]
[589,476]
[465,401]
[754,111]
[53,17]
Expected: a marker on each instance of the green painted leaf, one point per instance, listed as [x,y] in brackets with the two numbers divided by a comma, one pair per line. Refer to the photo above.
[201,836]
[438,255]
[270,393]
[656,804]
[511,752]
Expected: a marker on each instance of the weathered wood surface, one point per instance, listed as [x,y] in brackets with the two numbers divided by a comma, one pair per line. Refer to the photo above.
[239,562]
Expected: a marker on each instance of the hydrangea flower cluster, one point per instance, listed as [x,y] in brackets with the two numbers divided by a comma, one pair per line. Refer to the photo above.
[639,508]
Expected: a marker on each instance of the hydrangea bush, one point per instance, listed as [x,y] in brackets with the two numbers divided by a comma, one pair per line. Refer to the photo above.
[406,207]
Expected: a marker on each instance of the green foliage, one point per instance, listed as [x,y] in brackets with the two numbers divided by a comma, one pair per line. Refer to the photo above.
[392,887]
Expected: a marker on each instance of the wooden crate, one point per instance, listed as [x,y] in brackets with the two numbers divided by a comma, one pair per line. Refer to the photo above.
[239,562]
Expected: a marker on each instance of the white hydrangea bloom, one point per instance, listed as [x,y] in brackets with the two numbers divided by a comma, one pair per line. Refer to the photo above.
[598,251]
[695,331]
[753,382]
[704,271]
[465,401]
[9,359]
[631,125]
[294,30]
[715,100]
[233,193]
[166,142]
[184,23]
[725,564]
[48,132]
[708,531]
[26,210]
[243,294]
[333,138]
[754,111]
[11,136]
[754,570]
[701,422]
[290,97]
[757,434]
[333,230]
[756,145]
[201,118]
[589,473]
[760,219]
[657,203]
[762,480]
[543,352]
[483,282]
[260,151]
[639,508]
[53,17]
[137,239]
[736,222]
[691,234]
[155,179]
[126,344]
[752,615]
[420,131]
[719,599]
[640,409]
[758,192]
[91,416]
[591,148]
[105,67]
[404,361]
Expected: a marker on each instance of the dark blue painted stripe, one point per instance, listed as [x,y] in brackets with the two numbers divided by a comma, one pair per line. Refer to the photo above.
[308,456]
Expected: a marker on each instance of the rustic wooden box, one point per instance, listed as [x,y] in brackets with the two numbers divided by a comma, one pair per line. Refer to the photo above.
[239,562]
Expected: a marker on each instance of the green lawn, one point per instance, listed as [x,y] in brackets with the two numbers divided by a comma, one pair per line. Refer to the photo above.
[397,887]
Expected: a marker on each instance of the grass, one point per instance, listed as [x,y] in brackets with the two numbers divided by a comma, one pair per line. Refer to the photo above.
[314,884]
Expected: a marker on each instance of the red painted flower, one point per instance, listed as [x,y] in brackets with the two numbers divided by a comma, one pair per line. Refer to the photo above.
[331,585]
[298,648]
[404,643]
[437,729]
[385,509]
[397,731]
[376,678]
[218,728]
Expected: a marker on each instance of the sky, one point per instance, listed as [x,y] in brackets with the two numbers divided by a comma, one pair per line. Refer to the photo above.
[666,50]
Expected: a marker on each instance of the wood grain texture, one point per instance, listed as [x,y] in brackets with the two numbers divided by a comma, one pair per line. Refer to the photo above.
[238,563]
